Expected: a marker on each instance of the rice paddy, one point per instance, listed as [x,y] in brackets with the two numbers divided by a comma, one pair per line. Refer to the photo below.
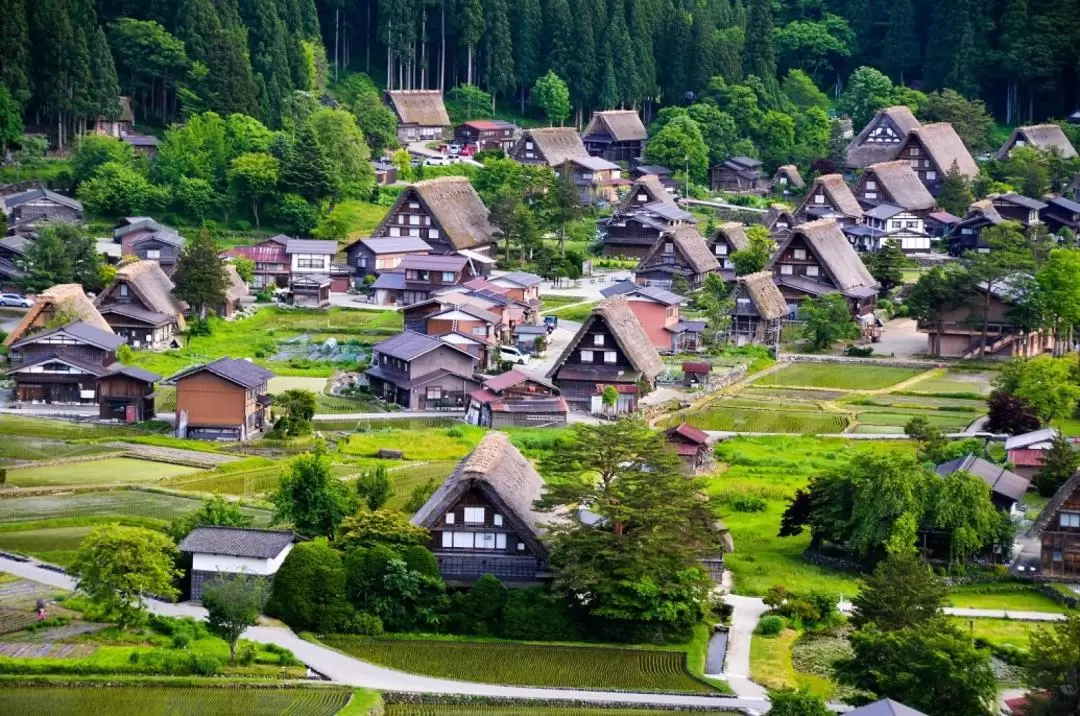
[56,545]
[113,503]
[845,377]
[149,700]
[105,471]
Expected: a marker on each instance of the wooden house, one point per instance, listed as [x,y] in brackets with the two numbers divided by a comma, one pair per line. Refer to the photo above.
[374,256]
[728,238]
[446,213]
[271,259]
[1025,452]
[658,311]
[691,445]
[759,312]
[488,134]
[816,259]
[787,180]
[235,291]
[521,286]
[117,124]
[12,255]
[385,173]
[966,234]
[64,299]
[144,144]
[959,334]
[548,145]
[421,115]
[931,150]
[881,138]
[483,520]
[617,135]
[421,372]
[737,174]
[1044,137]
[516,399]
[1006,487]
[662,173]
[646,211]
[778,220]
[313,260]
[1021,209]
[225,399]
[940,223]
[895,204]
[1061,213]
[610,348]
[219,551]
[26,210]
[470,328]
[1058,529]
[147,240]
[596,179]
[418,276]
[126,394]
[830,198]
[139,305]
[680,251]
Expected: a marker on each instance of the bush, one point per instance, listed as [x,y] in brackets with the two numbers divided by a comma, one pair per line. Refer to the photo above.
[859,351]
[365,624]
[770,625]
[264,296]
[482,606]
[534,615]
[308,591]
[749,503]
[454,433]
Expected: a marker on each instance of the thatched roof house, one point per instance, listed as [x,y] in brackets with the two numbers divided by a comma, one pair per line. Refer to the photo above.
[681,250]
[458,219]
[139,304]
[788,177]
[549,145]
[615,135]
[893,183]
[779,219]
[764,296]
[63,298]
[421,114]
[647,189]
[830,197]
[942,145]
[881,137]
[1045,137]
[816,259]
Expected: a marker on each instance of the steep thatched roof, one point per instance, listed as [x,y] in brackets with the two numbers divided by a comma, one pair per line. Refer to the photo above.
[651,185]
[832,249]
[792,173]
[557,144]
[151,285]
[901,183]
[778,212]
[624,125]
[735,233]
[506,477]
[944,146]
[837,193]
[762,291]
[862,151]
[1039,136]
[455,207]
[628,333]
[689,244]
[68,297]
[422,107]
[235,288]
[1050,511]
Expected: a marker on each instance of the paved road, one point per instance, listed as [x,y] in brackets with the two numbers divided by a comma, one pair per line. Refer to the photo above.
[744,619]
[346,670]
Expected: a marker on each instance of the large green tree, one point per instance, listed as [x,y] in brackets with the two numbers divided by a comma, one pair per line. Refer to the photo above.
[233,603]
[1053,670]
[826,320]
[63,253]
[1009,253]
[310,497]
[200,275]
[901,593]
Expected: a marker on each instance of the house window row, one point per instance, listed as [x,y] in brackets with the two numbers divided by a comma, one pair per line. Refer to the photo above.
[414,219]
[473,516]
[310,263]
[392,362]
[1069,519]
[589,356]
[413,233]
[477,540]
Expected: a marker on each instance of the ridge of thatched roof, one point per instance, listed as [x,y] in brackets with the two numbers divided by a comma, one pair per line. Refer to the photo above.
[509,480]
[1055,504]
[422,107]
[763,292]
[624,125]
[833,250]
[901,183]
[862,153]
[653,187]
[151,285]
[68,296]
[235,288]
[628,333]
[688,242]
[1039,136]
[792,173]
[735,234]
[944,146]
[838,193]
[557,144]
[455,207]
[775,212]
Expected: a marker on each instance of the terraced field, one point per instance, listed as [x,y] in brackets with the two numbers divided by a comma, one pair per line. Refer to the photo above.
[108,470]
[56,545]
[515,710]
[718,416]
[173,701]
[136,503]
[844,377]
[19,448]
[529,665]
[955,382]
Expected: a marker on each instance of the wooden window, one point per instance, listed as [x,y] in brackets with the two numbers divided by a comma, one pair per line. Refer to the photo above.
[598,340]
[449,519]
[485,540]
[395,231]
[434,393]
[800,254]
[401,218]
[447,539]
[586,356]
[123,289]
[931,176]
[497,520]
[500,541]
[811,270]
[414,205]
[433,233]
[474,515]
[913,151]
[1069,519]
[721,249]
[448,276]
[610,356]
[463,540]
[669,248]
[520,546]
[153,253]
[787,269]
[819,199]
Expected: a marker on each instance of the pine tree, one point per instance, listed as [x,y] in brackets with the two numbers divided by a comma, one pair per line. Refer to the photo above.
[526,27]
[701,65]
[621,53]
[104,97]
[200,275]
[585,60]
[214,38]
[499,50]
[269,50]
[50,80]
[559,44]
[642,21]
[759,57]
[471,17]
[15,49]
[901,53]
[1059,463]
[674,82]
[955,195]
[609,87]
[304,169]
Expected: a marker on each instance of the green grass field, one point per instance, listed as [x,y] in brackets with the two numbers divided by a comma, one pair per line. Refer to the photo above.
[846,377]
[13,447]
[719,416]
[62,429]
[772,667]
[1028,600]
[551,301]
[446,444]
[514,710]
[1000,632]
[57,545]
[118,503]
[405,478]
[955,381]
[528,664]
[106,471]
[151,700]
[941,419]
[360,217]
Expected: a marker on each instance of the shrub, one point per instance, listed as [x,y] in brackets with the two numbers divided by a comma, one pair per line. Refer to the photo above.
[859,351]
[770,625]
[247,655]
[454,433]
[308,591]
[365,624]
[749,503]
[534,615]
[264,296]
[482,606]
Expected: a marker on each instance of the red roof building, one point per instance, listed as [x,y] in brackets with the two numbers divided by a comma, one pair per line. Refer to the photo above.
[691,444]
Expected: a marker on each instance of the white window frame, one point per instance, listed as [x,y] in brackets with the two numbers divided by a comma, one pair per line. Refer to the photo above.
[448,539]
[448,276]
[1069,519]
[799,254]
[598,339]
[812,271]
[500,540]
[586,356]
[497,520]
[786,269]
[463,540]
[611,357]
[471,515]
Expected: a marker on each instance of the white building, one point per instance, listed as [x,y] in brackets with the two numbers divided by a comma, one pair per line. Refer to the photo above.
[234,550]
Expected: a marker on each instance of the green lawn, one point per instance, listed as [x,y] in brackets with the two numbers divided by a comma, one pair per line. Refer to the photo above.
[438,445]
[14,447]
[954,382]
[846,377]
[405,478]
[360,217]
[62,429]
[109,470]
[772,667]
[550,301]
[281,383]
[719,416]
[529,664]
[1000,632]
[153,700]
[1028,600]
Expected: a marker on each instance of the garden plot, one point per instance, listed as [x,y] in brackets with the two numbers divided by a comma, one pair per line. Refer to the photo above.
[15,448]
[119,503]
[307,347]
[752,391]
[18,598]
[105,471]
[960,383]
[848,376]
[48,650]
[528,664]
[281,383]
[175,701]
[718,416]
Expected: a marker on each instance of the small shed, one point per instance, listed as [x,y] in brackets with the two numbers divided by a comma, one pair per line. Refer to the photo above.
[691,445]
[310,290]
[525,336]
[234,550]
[696,374]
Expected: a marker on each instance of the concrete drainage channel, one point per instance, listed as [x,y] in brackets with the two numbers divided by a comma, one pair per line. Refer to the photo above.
[717,653]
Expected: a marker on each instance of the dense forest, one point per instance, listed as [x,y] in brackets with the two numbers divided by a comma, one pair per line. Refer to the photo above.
[65,61]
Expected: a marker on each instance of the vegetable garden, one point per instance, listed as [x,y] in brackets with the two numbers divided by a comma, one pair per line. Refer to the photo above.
[530,665]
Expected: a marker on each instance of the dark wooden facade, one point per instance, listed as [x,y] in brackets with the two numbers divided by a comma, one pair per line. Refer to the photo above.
[1059,527]
[435,376]
[125,397]
[597,359]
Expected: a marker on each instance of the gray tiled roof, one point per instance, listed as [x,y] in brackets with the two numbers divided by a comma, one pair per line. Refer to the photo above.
[82,331]
[885,707]
[235,370]
[391,280]
[408,345]
[133,372]
[394,244]
[521,278]
[1000,480]
[237,541]
[19,199]
[311,246]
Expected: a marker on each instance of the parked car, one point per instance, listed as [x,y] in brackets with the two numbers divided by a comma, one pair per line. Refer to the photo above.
[513,354]
[14,299]
[437,161]
[454,149]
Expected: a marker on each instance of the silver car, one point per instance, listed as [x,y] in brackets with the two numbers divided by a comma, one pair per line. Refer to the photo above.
[14,299]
